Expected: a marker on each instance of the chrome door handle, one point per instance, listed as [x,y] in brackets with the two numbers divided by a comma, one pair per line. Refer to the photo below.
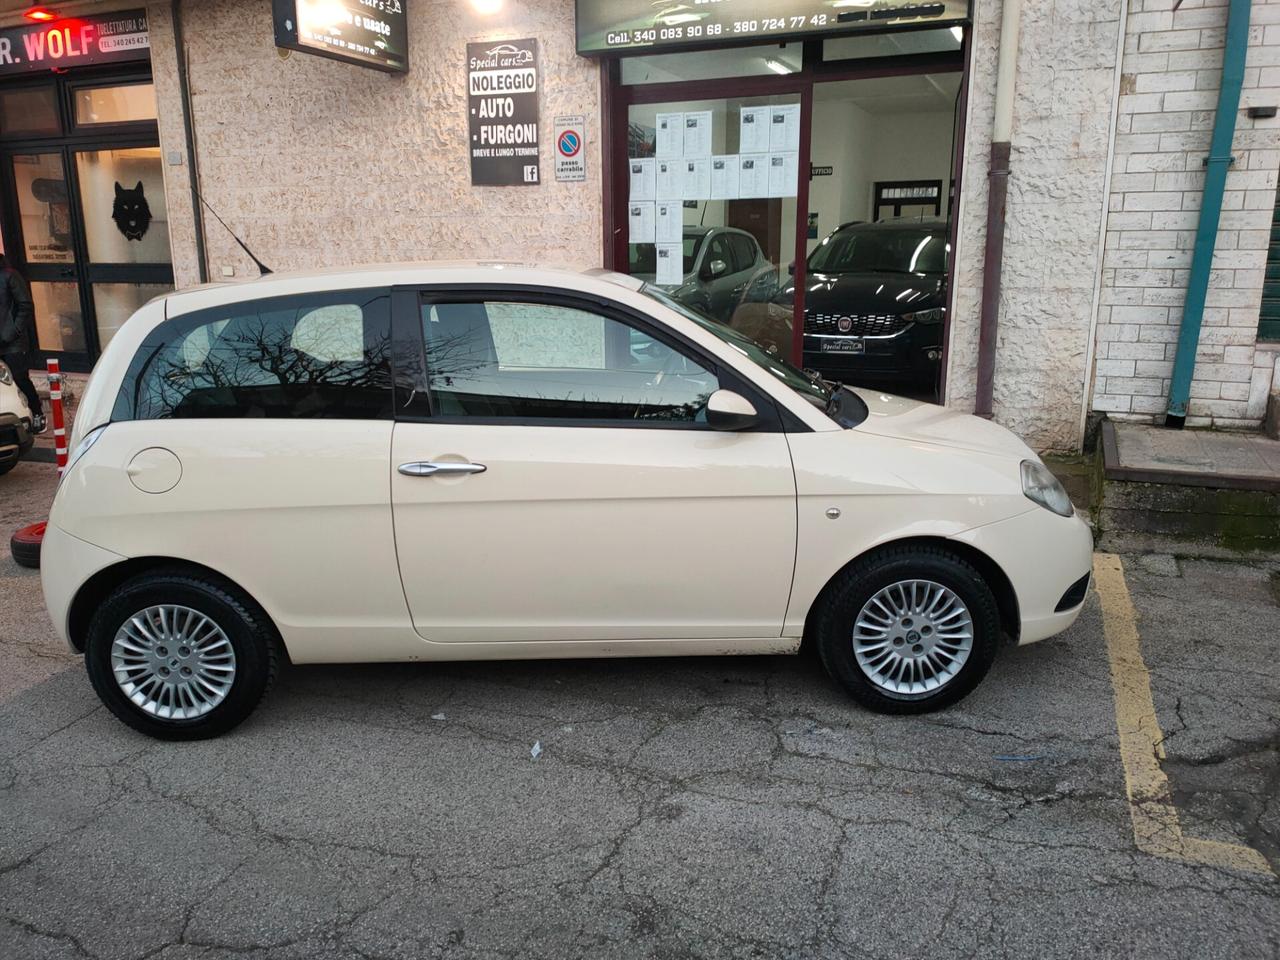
[425,468]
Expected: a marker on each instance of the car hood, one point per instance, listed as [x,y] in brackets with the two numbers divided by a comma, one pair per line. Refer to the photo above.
[918,422]
[889,293]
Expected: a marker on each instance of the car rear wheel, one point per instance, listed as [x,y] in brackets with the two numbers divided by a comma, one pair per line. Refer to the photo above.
[179,656]
[908,629]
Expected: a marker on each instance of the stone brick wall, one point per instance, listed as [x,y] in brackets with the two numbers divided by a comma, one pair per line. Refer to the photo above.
[1061,133]
[1169,86]
[317,163]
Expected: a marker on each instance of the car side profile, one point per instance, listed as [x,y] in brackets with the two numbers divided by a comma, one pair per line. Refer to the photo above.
[472,461]
[723,268]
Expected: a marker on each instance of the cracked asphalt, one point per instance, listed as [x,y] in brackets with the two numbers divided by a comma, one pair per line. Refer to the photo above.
[680,807]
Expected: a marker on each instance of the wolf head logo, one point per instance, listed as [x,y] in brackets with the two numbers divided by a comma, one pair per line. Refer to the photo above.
[131,211]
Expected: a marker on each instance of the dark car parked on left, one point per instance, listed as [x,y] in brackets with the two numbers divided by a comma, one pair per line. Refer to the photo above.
[875,302]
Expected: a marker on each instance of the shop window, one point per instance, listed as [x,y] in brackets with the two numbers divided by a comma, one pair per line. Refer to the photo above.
[125,103]
[29,112]
[315,357]
[59,321]
[126,218]
[524,361]
[44,207]
[114,303]
[898,44]
[760,61]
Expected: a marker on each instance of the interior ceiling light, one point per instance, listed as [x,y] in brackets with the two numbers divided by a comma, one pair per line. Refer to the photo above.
[486,8]
[777,66]
[40,14]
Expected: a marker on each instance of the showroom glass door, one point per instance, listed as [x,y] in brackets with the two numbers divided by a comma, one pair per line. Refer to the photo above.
[847,120]
[85,217]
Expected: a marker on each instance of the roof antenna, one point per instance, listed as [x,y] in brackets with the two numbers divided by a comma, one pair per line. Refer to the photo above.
[263,269]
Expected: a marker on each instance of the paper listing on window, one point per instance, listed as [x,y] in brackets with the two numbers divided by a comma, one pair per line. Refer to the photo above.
[696,179]
[670,135]
[697,134]
[670,221]
[724,177]
[670,179]
[784,128]
[753,130]
[641,222]
[670,264]
[753,177]
[783,172]
[643,179]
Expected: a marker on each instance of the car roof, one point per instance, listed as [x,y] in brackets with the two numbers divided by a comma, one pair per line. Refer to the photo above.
[396,274]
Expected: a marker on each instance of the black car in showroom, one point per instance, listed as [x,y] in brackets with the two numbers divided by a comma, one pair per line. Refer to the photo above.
[875,302]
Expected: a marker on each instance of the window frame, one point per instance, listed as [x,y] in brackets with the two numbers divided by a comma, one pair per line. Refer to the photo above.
[410,371]
[174,328]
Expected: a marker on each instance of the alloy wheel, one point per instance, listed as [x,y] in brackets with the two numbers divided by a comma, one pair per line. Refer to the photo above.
[912,637]
[173,662]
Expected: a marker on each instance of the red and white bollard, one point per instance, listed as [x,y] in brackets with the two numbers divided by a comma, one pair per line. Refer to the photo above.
[59,424]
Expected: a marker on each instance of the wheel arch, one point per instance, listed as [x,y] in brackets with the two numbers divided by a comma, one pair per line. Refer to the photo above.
[996,579]
[94,590]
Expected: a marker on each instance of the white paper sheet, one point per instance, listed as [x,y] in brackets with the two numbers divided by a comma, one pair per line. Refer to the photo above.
[670,217]
[753,130]
[753,176]
[670,179]
[641,222]
[643,184]
[670,264]
[784,128]
[670,135]
[724,177]
[783,168]
[696,175]
[697,134]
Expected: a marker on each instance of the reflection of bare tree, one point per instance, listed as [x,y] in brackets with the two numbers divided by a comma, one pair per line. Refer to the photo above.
[251,366]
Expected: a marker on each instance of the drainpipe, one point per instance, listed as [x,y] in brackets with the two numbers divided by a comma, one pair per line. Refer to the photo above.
[184,93]
[1215,184]
[997,192]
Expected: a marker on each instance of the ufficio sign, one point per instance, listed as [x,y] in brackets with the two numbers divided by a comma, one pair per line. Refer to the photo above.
[571,157]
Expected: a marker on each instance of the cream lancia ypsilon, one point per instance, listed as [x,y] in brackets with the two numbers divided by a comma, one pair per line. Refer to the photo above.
[471,461]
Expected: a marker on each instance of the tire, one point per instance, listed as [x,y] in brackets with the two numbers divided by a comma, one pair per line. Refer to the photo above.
[248,633]
[887,627]
[25,545]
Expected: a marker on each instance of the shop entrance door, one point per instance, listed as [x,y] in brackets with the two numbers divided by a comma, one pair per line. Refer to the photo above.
[84,212]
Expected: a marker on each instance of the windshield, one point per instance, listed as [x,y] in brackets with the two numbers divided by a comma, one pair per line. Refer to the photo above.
[812,388]
[874,249]
[644,256]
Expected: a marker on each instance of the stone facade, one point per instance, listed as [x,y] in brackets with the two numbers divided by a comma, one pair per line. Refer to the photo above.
[1171,72]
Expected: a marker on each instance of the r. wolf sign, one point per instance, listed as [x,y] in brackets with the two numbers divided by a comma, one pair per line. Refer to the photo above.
[75,41]
[502,101]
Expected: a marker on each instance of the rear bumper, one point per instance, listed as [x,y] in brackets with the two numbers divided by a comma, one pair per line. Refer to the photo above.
[15,437]
[1046,557]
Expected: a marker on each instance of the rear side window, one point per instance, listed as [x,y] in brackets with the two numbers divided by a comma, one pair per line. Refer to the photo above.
[744,251]
[312,356]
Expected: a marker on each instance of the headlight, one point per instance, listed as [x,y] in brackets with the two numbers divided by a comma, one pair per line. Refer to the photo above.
[5,376]
[926,316]
[1043,487]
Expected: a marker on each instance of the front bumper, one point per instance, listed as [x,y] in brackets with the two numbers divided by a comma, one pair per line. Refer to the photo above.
[1044,556]
[913,354]
[15,437]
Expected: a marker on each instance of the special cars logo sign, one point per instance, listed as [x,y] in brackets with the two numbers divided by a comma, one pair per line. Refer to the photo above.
[502,103]
[75,41]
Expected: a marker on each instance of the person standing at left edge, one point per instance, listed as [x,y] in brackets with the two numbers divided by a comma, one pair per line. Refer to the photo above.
[17,316]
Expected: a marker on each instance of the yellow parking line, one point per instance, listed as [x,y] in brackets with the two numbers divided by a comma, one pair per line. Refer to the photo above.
[1156,829]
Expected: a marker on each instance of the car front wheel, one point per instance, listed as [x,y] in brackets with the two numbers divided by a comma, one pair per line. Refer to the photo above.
[180,656]
[908,629]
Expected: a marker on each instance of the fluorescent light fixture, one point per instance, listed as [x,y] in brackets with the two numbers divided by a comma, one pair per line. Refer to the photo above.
[486,7]
[40,14]
[777,66]
[853,3]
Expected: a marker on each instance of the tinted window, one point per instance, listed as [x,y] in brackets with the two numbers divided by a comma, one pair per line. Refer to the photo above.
[318,356]
[875,249]
[718,250]
[498,359]
[744,251]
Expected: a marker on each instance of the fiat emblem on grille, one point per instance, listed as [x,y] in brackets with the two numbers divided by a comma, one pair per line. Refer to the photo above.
[844,324]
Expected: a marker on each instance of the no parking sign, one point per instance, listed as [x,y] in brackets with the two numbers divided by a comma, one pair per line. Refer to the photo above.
[570,147]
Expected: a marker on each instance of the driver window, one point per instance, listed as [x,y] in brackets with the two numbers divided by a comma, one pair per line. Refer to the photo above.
[718,249]
[506,359]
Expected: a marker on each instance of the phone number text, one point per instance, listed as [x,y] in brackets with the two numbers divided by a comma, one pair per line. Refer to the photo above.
[699,31]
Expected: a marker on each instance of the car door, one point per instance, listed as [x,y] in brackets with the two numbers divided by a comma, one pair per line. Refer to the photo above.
[549,483]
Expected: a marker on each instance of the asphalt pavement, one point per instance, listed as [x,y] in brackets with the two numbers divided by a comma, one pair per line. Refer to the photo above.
[703,807]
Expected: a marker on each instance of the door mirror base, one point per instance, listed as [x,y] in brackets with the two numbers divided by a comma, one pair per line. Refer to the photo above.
[730,411]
